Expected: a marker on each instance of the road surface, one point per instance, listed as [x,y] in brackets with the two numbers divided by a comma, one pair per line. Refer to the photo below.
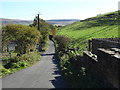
[44,74]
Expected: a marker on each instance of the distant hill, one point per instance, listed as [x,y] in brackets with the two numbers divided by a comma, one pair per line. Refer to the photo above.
[62,21]
[14,21]
[27,22]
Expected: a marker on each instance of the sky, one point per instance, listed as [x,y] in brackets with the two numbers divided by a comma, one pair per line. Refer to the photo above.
[55,9]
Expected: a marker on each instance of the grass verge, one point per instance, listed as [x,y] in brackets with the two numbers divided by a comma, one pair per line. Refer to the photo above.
[15,63]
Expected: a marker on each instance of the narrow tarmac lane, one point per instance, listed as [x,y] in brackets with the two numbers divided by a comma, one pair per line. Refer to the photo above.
[44,74]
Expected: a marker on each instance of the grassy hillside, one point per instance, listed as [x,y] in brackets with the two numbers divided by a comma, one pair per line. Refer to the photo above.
[101,26]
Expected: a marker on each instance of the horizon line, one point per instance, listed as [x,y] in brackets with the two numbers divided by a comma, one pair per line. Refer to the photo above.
[42,18]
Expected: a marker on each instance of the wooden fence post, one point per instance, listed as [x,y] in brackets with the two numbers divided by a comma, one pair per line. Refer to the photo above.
[89,45]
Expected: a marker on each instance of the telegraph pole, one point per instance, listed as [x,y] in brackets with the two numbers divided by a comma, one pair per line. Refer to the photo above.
[39,20]
[38,23]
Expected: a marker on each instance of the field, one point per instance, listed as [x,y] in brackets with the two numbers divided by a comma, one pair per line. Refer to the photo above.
[93,32]
[103,26]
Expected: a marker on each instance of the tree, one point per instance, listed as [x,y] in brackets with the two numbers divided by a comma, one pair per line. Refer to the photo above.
[25,37]
[53,30]
[9,34]
[44,30]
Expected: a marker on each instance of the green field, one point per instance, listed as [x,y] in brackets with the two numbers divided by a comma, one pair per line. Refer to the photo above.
[93,32]
[102,26]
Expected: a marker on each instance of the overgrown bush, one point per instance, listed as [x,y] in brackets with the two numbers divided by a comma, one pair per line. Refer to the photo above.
[26,37]
[23,64]
[30,57]
[45,30]
[19,62]
[5,71]
[62,42]
[73,71]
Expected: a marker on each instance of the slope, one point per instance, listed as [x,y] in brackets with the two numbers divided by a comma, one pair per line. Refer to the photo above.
[101,26]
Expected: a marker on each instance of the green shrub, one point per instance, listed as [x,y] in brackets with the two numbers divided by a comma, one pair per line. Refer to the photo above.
[23,64]
[13,70]
[19,62]
[26,37]
[30,57]
[62,42]
[8,65]
[15,65]
[5,71]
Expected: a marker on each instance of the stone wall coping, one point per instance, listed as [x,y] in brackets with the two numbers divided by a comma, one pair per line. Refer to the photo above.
[109,51]
[108,40]
[91,55]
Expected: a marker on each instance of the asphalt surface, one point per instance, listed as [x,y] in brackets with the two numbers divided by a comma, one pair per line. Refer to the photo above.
[43,74]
